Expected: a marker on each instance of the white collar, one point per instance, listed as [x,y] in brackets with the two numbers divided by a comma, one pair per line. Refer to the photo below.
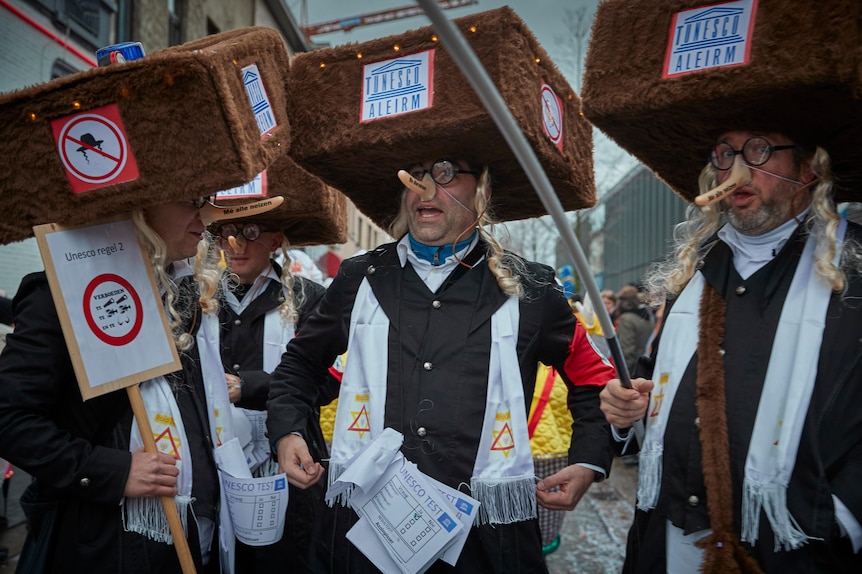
[258,287]
[751,252]
[432,275]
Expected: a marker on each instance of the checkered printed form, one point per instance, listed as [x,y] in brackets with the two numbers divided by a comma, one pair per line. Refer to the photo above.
[406,521]
[257,507]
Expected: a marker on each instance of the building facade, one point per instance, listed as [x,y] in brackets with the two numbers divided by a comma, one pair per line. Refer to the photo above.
[630,229]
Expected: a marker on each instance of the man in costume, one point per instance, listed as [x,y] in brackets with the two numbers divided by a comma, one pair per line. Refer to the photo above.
[94,504]
[443,328]
[751,456]
[264,306]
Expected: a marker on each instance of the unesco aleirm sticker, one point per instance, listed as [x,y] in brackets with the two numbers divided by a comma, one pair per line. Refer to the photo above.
[708,37]
[397,86]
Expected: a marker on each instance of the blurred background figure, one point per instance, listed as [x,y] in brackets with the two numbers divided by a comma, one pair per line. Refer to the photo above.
[609,298]
[634,323]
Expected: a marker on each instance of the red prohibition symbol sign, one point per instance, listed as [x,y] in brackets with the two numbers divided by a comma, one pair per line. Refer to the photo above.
[94,149]
[552,116]
[89,158]
[113,310]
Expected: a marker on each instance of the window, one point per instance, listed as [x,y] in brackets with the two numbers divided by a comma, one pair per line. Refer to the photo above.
[61,68]
[89,20]
[175,22]
[85,13]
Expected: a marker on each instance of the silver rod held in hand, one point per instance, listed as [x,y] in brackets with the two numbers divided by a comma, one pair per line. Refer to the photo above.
[469,64]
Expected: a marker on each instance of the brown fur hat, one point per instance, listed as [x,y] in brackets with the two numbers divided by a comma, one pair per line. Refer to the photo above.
[188,122]
[312,213]
[801,78]
[361,155]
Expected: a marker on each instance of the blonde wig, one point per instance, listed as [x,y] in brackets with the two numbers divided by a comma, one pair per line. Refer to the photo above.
[179,309]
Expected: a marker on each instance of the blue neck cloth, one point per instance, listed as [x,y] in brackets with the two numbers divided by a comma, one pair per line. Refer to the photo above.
[436,254]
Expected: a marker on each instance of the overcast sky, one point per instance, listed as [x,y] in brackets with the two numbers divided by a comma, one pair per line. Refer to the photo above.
[546,19]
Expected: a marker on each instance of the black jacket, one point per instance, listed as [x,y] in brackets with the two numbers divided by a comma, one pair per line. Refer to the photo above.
[78,451]
[450,330]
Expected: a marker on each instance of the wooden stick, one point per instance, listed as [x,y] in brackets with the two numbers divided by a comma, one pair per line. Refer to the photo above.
[179,535]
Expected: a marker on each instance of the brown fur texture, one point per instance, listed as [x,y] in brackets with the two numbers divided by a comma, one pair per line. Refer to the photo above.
[362,159]
[312,213]
[186,116]
[723,553]
[802,79]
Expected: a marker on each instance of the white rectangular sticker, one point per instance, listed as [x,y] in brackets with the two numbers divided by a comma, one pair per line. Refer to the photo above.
[708,37]
[397,86]
[258,99]
[253,189]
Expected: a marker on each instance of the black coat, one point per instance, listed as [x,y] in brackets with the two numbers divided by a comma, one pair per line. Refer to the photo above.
[241,341]
[78,452]
[450,329]
[829,460]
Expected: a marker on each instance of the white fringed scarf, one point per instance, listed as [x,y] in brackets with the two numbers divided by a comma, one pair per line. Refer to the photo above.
[503,476]
[779,422]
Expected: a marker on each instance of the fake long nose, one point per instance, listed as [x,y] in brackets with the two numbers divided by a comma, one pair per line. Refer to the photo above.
[426,188]
[237,244]
[740,175]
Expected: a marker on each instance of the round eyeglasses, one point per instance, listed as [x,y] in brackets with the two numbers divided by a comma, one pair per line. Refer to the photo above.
[199,202]
[442,171]
[250,231]
[755,151]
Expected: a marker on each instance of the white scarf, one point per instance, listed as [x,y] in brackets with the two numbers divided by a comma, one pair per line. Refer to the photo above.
[277,333]
[778,425]
[751,252]
[503,477]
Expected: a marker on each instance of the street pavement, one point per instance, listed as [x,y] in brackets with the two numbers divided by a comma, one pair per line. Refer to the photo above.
[592,538]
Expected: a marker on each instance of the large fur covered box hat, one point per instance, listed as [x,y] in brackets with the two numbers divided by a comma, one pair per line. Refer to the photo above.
[312,212]
[361,112]
[179,123]
[664,79]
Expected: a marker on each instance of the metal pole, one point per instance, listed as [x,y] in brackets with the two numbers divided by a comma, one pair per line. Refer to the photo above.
[466,59]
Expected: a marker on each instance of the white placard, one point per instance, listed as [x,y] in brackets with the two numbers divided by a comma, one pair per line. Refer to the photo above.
[112,316]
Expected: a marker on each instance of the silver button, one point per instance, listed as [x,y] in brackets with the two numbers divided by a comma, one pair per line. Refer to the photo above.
[236,366]
[693,500]
[436,304]
[697,422]
[421,431]
[428,365]
[741,290]
[371,270]
[85,482]
[237,322]
[722,352]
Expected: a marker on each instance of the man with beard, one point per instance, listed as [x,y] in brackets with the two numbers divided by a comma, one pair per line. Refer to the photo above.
[783,259]
[750,460]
